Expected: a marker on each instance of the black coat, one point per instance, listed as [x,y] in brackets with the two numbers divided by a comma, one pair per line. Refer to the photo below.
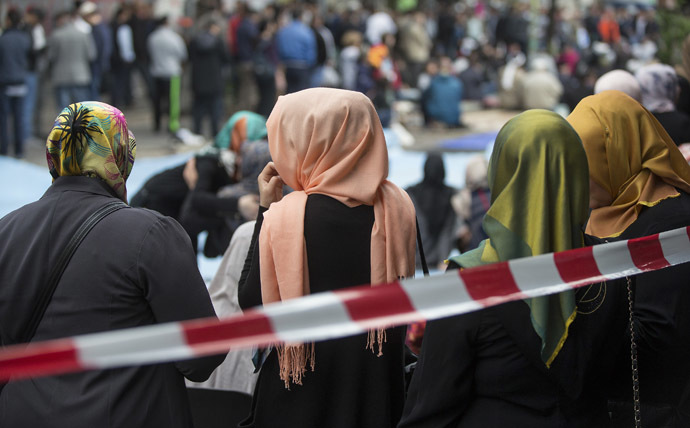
[208,55]
[662,325]
[677,124]
[351,386]
[484,369]
[134,268]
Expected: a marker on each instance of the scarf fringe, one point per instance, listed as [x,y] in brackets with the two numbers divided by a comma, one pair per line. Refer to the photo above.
[293,359]
[380,339]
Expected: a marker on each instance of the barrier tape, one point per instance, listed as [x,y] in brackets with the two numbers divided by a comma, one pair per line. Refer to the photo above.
[350,311]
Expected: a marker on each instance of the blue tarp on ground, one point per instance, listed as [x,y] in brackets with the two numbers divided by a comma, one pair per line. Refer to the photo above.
[473,143]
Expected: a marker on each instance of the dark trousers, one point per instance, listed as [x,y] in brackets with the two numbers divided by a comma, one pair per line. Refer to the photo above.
[297,78]
[14,106]
[208,105]
[161,100]
[70,94]
[121,90]
[267,94]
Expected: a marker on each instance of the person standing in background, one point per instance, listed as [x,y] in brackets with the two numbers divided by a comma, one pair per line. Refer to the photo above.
[15,48]
[208,54]
[123,57]
[37,66]
[142,24]
[70,53]
[103,40]
[167,52]
[297,52]
[266,66]
[247,36]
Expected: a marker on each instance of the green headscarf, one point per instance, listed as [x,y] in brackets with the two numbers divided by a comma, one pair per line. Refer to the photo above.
[242,126]
[539,185]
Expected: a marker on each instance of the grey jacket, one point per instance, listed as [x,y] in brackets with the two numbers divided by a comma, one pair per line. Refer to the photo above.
[70,53]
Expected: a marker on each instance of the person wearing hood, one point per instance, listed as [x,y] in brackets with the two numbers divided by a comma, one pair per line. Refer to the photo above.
[432,201]
[208,55]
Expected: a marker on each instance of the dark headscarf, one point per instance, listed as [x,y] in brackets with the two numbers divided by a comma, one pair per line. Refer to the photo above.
[431,197]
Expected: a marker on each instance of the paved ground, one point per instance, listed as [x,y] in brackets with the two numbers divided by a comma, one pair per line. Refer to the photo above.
[152,144]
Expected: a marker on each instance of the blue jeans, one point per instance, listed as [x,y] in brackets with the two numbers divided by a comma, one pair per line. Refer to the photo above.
[30,103]
[69,94]
[297,78]
[11,106]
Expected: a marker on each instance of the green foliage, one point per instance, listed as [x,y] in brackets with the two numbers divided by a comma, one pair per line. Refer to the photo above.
[675,27]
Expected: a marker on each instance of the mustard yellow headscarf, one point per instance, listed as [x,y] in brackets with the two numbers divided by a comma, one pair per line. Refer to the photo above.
[539,201]
[630,155]
[92,139]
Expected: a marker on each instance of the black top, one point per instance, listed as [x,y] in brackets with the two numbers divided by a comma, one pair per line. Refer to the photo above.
[662,323]
[677,124]
[351,386]
[208,55]
[484,369]
[134,268]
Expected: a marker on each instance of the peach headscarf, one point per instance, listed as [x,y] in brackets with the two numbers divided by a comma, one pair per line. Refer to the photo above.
[330,141]
[630,155]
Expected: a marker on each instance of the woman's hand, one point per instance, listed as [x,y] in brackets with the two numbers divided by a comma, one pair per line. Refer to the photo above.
[248,206]
[190,174]
[270,185]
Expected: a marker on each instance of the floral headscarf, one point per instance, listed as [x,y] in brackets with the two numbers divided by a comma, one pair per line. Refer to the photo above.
[92,139]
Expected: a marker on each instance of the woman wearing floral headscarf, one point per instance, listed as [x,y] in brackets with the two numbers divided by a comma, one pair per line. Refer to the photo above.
[660,91]
[135,267]
[345,224]
[640,185]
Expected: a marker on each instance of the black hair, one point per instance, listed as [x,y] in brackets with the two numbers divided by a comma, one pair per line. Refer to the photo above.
[15,17]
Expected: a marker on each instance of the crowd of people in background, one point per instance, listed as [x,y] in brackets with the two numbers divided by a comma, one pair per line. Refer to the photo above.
[472,53]
[594,158]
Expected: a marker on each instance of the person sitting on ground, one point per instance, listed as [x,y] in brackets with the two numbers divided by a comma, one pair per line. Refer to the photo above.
[443,96]
[189,192]
[541,88]
[134,268]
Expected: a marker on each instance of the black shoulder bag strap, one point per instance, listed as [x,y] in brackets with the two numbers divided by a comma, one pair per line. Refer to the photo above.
[425,268]
[46,293]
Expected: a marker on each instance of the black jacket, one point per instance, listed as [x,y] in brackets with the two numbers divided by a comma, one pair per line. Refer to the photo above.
[134,268]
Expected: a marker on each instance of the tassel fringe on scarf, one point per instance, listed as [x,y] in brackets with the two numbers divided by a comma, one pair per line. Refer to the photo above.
[293,359]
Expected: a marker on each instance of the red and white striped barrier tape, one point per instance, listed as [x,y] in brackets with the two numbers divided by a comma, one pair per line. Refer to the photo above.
[351,311]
